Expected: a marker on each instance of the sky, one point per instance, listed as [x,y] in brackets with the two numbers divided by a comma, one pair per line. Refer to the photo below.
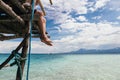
[77,24]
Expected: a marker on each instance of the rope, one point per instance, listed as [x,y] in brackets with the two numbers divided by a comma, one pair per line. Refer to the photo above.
[17,62]
[29,53]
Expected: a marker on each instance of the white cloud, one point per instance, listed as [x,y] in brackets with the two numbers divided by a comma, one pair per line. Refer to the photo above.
[81,18]
[62,9]
[75,35]
[98,4]
[118,17]
[7,46]
[114,5]
[97,17]
[90,35]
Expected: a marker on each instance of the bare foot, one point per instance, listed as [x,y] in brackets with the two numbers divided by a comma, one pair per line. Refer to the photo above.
[47,41]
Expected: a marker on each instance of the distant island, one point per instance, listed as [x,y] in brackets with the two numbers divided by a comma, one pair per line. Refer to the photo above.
[86,51]
[97,51]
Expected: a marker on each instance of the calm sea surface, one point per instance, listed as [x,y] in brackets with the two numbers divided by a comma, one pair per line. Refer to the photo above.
[68,67]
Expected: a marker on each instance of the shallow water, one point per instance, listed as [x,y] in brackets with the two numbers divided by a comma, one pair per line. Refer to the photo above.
[68,67]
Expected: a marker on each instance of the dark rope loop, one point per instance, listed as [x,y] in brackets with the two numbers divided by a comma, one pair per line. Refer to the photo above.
[18,59]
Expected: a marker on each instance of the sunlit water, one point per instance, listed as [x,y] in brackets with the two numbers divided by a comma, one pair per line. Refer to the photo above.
[68,67]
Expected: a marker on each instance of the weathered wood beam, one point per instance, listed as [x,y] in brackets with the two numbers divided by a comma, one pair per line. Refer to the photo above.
[3,38]
[42,8]
[18,4]
[9,37]
[1,35]
[24,53]
[9,11]
[22,43]
[6,61]
[25,17]
[51,2]
[14,27]
[3,29]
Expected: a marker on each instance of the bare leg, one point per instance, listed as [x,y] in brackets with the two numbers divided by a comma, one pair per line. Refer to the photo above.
[42,28]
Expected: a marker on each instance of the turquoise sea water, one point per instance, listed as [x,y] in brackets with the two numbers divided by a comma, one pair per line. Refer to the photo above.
[68,67]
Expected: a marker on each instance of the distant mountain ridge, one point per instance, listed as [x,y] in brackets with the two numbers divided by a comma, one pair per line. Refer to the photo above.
[97,51]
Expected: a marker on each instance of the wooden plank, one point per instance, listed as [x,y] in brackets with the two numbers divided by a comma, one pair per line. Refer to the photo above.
[3,29]
[15,37]
[18,4]
[51,2]
[9,10]
[9,37]
[14,27]
[42,8]
[25,17]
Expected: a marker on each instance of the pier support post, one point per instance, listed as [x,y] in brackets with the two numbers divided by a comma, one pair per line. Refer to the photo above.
[23,54]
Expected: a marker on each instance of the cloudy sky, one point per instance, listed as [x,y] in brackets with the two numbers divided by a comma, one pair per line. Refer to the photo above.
[76,24]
